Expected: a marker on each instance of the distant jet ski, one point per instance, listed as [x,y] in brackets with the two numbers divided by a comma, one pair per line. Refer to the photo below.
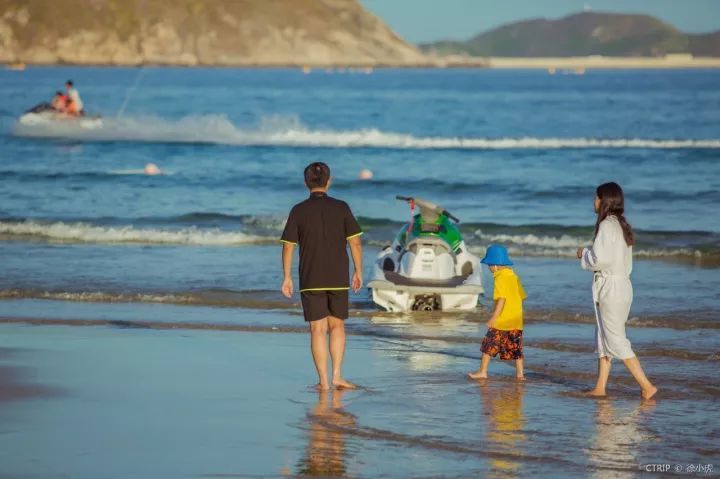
[428,266]
[44,114]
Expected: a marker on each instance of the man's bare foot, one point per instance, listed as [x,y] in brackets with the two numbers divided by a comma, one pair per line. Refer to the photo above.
[478,375]
[340,383]
[595,393]
[322,387]
[649,393]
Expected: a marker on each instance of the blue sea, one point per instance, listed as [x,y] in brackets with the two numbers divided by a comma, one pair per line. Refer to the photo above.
[147,307]
[516,155]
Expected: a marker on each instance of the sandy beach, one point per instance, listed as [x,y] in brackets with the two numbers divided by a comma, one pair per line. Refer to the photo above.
[226,392]
[602,62]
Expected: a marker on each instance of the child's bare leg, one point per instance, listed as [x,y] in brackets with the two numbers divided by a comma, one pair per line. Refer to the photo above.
[319,348]
[482,372]
[633,365]
[602,379]
[519,371]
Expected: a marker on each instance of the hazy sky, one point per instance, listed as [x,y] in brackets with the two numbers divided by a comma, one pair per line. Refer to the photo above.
[429,20]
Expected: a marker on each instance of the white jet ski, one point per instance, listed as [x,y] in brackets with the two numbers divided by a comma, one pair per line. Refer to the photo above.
[44,115]
[428,266]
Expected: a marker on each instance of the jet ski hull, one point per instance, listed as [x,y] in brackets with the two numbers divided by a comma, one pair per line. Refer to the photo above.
[402,298]
[396,292]
[48,118]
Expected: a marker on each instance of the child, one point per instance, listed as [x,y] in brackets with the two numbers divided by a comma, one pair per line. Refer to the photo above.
[504,336]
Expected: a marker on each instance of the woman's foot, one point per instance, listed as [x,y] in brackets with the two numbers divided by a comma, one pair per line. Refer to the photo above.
[649,392]
[322,387]
[597,393]
[520,377]
[478,375]
[340,383]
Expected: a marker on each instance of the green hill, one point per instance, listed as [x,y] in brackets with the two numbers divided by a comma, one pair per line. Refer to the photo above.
[583,34]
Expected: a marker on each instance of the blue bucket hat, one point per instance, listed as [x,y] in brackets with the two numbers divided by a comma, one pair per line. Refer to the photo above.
[497,255]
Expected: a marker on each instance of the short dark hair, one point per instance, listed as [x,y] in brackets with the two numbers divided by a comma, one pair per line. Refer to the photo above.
[69,82]
[317,175]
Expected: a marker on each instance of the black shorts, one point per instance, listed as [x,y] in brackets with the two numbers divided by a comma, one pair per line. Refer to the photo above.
[321,304]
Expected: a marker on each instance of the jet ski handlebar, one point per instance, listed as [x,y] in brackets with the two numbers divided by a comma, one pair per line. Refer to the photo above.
[429,206]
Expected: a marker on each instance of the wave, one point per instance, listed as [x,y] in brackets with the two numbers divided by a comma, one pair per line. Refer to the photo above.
[699,247]
[88,233]
[225,230]
[290,132]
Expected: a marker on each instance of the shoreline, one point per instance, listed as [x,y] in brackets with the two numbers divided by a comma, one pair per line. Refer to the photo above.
[449,62]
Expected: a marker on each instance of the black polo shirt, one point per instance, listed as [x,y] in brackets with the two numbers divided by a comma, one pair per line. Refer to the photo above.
[321,226]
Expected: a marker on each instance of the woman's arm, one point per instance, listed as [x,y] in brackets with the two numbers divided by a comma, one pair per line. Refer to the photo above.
[597,257]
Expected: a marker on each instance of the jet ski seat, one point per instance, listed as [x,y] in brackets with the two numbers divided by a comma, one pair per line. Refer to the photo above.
[438,245]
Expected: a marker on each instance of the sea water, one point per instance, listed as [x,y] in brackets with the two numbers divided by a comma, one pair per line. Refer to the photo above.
[516,155]
[87,239]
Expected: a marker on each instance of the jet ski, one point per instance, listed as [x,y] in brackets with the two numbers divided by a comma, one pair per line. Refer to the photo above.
[428,266]
[44,114]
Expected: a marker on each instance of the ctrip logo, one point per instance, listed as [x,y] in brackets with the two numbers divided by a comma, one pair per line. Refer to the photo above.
[656,467]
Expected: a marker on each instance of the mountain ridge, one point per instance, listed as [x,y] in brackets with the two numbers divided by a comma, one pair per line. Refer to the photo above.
[582,34]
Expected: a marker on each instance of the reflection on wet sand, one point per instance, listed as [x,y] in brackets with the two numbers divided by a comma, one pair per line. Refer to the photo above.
[503,408]
[617,439]
[326,454]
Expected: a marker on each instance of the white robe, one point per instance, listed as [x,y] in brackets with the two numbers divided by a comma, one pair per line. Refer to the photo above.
[610,258]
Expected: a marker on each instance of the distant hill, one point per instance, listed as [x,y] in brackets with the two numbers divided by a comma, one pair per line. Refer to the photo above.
[199,32]
[583,34]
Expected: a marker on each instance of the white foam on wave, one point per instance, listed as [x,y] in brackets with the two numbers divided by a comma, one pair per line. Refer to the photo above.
[290,132]
[556,242]
[88,233]
[98,296]
[565,246]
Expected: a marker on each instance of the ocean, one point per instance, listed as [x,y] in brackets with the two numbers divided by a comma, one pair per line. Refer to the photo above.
[87,238]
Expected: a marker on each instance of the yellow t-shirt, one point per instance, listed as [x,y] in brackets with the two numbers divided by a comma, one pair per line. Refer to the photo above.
[508,286]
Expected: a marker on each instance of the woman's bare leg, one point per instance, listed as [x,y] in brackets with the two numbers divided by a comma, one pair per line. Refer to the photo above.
[633,365]
[602,379]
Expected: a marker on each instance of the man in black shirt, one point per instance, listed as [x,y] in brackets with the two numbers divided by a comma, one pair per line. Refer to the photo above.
[323,226]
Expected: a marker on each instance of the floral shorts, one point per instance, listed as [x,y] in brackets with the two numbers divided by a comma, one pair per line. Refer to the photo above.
[508,344]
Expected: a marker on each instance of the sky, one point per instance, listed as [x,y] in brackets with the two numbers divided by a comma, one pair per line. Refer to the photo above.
[420,21]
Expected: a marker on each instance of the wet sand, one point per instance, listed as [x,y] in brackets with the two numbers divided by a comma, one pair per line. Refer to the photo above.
[198,397]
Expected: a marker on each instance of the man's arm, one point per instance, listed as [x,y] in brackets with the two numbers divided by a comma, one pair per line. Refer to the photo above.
[287,259]
[356,252]
[499,304]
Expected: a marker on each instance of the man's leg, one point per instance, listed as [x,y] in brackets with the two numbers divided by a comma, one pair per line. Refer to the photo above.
[337,352]
[319,348]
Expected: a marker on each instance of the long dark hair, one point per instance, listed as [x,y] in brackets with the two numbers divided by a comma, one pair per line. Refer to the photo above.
[612,202]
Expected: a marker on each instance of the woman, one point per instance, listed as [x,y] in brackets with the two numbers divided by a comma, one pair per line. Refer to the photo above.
[610,259]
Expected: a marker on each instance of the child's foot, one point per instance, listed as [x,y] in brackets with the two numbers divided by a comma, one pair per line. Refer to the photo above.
[478,375]
[598,393]
[649,392]
[340,383]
